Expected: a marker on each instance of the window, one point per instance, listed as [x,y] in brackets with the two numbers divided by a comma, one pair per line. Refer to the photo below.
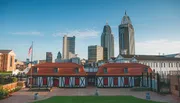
[176,87]
[105,70]
[11,61]
[35,70]
[164,64]
[145,70]
[125,70]
[55,70]
[169,64]
[76,70]
[156,64]
[160,65]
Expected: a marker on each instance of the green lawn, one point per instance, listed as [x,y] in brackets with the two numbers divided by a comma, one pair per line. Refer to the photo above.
[94,99]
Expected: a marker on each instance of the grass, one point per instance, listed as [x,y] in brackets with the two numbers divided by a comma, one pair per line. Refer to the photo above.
[94,99]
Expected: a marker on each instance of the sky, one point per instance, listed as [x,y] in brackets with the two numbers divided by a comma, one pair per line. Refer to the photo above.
[45,22]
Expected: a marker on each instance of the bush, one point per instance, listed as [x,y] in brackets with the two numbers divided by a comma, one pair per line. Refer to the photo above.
[6,72]
[14,79]
[2,80]
[17,89]
[3,93]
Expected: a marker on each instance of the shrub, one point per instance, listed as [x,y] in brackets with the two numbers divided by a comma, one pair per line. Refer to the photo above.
[6,72]
[3,93]
[2,80]
[17,89]
[14,79]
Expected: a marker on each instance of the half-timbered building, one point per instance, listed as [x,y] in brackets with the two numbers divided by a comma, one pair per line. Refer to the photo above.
[121,75]
[57,75]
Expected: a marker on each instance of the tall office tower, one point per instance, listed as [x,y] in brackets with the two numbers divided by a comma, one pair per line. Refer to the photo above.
[49,57]
[107,42]
[59,55]
[126,36]
[68,47]
[95,53]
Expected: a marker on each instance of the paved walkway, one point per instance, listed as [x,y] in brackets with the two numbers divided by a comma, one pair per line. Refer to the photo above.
[24,96]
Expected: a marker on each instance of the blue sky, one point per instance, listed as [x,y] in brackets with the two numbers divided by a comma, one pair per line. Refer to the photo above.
[156,24]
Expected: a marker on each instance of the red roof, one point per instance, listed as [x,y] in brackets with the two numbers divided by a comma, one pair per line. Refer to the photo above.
[117,69]
[64,69]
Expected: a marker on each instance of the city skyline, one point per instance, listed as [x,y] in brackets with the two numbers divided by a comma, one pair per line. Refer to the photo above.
[47,23]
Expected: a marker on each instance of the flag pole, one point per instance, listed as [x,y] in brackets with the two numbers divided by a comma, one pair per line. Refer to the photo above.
[31,64]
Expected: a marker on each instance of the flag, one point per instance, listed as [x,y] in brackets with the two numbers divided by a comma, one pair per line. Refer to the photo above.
[30,51]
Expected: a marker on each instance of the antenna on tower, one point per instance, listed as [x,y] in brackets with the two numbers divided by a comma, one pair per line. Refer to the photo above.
[106,22]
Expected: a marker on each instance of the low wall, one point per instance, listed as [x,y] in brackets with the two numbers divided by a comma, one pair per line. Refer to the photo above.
[10,86]
[21,84]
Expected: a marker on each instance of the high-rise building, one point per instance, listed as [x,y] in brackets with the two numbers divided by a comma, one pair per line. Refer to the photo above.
[126,36]
[68,46]
[49,57]
[107,42]
[7,60]
[59,58]
[95,53]
[59,55]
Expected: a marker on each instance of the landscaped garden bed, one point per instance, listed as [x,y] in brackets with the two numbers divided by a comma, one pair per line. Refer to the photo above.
[4,93]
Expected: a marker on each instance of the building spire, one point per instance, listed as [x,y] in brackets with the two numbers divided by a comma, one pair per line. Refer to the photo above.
[106,22]
[125,12]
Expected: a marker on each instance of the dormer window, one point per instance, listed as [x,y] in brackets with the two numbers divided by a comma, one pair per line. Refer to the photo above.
[76,70]
[55,70]
[145,70]
[35,70]
[105,70]
[125,70]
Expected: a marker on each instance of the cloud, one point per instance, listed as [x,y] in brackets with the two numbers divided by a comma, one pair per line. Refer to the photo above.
[158,46]
[34,33]
[78,33]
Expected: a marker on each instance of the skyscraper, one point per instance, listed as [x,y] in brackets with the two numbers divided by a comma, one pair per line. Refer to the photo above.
[107,42]
[95,53]
[126,36]
[48,57]
[68,46]
[59,55]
